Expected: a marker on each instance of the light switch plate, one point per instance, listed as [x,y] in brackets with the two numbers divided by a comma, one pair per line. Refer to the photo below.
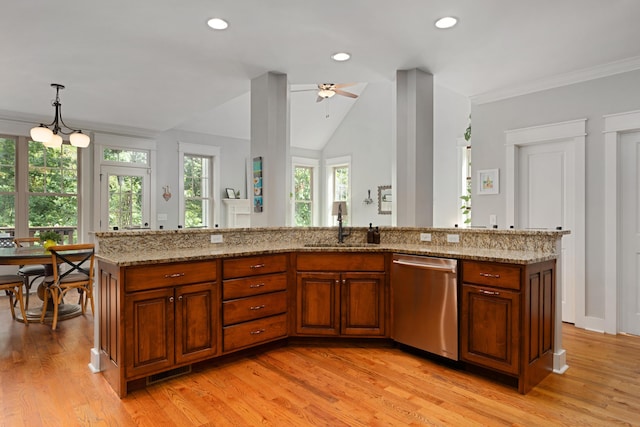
[216,238]
[453,238]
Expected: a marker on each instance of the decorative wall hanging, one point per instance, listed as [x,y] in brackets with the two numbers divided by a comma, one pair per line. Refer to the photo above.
[384,200]
[167,193]
[257,184]
[488,181]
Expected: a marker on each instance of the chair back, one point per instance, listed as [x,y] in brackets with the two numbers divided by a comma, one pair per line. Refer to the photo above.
[21,242]
[72,259]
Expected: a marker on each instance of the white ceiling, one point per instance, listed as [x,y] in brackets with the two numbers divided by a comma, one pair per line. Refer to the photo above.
[154,65]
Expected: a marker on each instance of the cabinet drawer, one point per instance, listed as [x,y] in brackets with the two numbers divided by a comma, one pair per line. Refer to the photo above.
[163,275]
[340,262]
[255,332]
[238,288]
[252,266]
[491,274]
[244,309]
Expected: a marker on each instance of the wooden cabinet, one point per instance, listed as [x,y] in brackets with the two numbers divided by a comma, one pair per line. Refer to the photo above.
[341,294]
[254,308]
[507,319]
[169,318]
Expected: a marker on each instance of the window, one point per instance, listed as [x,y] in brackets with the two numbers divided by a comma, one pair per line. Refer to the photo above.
[7,184]
[339,185]
[304,194]
[38,188]
[197,191]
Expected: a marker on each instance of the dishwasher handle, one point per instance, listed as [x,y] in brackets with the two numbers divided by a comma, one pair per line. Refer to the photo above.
[425,265]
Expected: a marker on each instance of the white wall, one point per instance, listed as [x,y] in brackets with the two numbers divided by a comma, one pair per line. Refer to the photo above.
[451,118]
[590,100]
[233,153]
[366,135]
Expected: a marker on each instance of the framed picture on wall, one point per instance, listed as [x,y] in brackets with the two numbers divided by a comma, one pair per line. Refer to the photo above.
[488,181]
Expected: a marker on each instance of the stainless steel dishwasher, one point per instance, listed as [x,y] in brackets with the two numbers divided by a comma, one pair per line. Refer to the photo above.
[425,303]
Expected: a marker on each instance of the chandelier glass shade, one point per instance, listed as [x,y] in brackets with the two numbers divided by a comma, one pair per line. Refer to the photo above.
[51,135]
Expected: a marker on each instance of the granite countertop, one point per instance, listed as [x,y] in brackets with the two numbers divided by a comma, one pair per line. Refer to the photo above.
[125,259]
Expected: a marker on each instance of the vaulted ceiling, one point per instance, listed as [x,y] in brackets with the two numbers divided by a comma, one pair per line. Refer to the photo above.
[155,65]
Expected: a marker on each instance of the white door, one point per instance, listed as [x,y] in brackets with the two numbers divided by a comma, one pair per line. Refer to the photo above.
[630,231]
[125,199]
[546,201]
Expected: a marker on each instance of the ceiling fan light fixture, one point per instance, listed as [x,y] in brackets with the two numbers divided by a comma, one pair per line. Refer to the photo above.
[446,22]
[217,24]
[341,56]
[326,93]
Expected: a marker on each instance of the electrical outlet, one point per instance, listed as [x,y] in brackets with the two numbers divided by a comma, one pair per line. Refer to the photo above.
[493,219]
[216,238]
[453,238]
[425,237]
[162,217]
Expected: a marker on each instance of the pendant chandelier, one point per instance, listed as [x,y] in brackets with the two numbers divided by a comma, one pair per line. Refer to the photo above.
[51,135]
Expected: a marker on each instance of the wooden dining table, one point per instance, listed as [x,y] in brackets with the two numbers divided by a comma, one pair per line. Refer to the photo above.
[37,255]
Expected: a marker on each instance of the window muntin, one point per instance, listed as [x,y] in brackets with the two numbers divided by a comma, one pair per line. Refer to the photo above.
[119,155]
[7,183]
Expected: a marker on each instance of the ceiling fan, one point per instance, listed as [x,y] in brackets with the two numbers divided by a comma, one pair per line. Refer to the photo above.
[328,90]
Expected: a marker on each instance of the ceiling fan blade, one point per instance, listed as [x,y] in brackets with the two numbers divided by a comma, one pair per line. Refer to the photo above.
[304,90]
[341,85]
[318,99]
[345,93]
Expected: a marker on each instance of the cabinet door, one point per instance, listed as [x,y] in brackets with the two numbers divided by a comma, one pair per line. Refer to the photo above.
[318,304]
[197,324]
[489,327]
[363,304]
[149,328]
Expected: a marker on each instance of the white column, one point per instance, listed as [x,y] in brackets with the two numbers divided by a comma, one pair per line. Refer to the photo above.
[413,192]
[270,140]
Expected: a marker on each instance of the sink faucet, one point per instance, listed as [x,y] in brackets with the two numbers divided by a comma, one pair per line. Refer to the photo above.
[341,232]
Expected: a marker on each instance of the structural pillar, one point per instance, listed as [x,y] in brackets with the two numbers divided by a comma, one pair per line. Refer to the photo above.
[270,140]
[413,186]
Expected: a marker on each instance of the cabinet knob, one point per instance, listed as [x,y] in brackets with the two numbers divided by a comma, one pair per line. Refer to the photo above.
[337,282]
[170,299]
[180,298]
[344,281]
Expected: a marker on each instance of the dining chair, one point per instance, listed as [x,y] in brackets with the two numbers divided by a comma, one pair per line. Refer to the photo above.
[30,273]
[72,269]
[12,284]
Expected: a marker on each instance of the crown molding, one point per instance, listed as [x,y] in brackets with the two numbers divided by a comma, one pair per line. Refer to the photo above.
[559,80]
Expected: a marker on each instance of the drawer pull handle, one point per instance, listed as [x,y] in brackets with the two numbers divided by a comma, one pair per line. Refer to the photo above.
[173,276]
[256,266]
[257,332]
[493,276]
[257,307]
[482,291]
[256,285]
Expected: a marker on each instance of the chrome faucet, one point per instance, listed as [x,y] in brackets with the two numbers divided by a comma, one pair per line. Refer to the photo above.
[341,232]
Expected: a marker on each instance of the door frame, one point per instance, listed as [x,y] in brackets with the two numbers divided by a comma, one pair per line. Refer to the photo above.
[614,125]
[573,131]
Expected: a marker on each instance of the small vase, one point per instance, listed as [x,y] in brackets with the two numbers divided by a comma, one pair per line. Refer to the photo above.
[48,243]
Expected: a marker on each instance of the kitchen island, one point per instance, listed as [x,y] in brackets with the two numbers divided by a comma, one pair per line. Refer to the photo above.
[172,298]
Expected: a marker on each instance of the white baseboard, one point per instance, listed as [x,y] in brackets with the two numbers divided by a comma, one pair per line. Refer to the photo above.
[94,366]
[560,362]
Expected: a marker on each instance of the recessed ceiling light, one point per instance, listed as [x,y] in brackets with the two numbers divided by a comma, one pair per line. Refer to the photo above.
[340,56]
[446,22]
[217,23]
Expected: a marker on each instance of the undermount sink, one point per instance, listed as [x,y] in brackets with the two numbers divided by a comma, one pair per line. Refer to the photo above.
[335,245]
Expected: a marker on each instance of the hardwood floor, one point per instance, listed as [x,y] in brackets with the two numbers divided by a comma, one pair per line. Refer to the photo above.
[45,381]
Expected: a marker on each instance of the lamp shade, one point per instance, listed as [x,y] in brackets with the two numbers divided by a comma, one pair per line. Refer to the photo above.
[41,134]
[79,139]
[54,142]
[325,93]
[336,206]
